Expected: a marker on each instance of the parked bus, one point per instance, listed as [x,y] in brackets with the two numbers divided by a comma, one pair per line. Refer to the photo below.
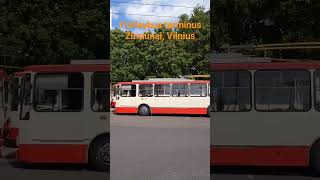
[265,112]
[4,83]
[64,114]
[114,94]
[163,96]
[13,109]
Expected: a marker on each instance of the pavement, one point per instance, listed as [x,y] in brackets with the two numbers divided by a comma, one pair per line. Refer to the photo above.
[160,148]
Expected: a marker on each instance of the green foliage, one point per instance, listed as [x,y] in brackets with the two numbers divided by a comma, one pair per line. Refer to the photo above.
[50,32]
[141,59]
[237,22]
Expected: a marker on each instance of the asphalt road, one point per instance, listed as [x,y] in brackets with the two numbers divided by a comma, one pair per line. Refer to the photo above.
[11,170]
[159,148]
[270,173]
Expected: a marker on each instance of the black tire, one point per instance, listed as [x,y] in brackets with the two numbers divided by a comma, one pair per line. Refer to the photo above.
[99,154]
[315,157]
[144,110]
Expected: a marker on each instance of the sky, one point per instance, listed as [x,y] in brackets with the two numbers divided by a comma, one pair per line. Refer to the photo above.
[141,7]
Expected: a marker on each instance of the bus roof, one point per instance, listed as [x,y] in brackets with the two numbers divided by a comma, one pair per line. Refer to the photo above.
[89,61]
[273,65]
[68,68]
[237,58]
[166,82]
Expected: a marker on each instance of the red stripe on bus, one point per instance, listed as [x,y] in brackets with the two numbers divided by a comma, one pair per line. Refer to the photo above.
[126,110]
[260,156]
[179,110]
[133,110]
[52,153]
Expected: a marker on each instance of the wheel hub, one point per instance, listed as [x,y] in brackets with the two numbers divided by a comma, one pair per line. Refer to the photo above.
[104,153]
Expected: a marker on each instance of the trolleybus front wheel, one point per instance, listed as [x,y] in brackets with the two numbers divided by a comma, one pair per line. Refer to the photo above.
[99,154]
[315,157]
[144,110]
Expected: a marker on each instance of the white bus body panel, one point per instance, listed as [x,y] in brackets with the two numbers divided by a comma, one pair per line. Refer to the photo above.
[65,127]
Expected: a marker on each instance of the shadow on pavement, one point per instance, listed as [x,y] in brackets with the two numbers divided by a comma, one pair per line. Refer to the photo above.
[252,170]
[60,167]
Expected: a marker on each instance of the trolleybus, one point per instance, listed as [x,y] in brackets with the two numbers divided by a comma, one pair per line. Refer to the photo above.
[265,112]
[4,84]
[163,96]
[64,114]
[13,109]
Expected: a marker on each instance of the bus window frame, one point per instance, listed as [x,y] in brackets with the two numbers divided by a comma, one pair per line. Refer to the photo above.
[136,91]
[92,81]
[154,90]
[35,102]
[17,93]
[145,90]
[206,84]
[187,90]
[2,79]
[284,111]
[250,90]
[22,98]
[314,88]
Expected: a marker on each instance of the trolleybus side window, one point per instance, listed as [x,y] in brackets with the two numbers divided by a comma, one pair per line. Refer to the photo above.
[59,92]
[25,97]
[1,92]
[180,90]
[15,94]
[282,90]
[128,90]
[231,91]
[100,92]
[162,90]
[198,90]
[6,92]
[145,90]
[317,90]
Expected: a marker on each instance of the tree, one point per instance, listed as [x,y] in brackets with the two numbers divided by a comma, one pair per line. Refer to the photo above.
[141,59]
[50,32]
[266,21]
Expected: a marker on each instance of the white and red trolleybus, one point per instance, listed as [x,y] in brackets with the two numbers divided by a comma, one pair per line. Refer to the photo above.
[114,94]
[4,83]
[13,108]
[265,113]
[163,96]
[64,114]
